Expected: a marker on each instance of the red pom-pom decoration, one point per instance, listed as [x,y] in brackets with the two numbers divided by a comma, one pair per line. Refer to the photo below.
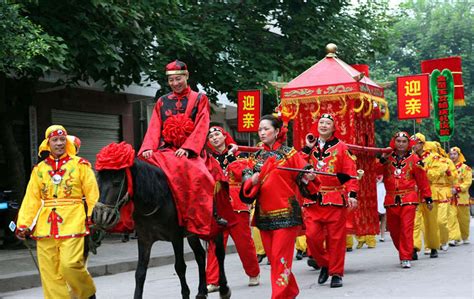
[176,129]
[115,156]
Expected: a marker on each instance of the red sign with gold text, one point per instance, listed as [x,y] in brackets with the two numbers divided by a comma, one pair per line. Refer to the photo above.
[413,93]
[249,104]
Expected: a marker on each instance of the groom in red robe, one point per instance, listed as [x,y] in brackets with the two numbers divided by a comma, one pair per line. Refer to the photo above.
[174,140]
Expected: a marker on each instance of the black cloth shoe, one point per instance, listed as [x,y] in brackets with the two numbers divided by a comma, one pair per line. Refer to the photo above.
[323,275]
[349,249]
[299,255]
[221,221]
[312,263]
[92,297]
[414,255]
[260,257]
[336,281]
[433,253]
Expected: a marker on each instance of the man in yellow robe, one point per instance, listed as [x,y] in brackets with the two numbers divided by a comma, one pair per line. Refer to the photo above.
[458,222]
[426,220]
[53,213]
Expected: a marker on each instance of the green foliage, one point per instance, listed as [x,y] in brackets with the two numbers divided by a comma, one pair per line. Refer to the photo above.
[236,45]
[25,49]
[428,30]
[110,41]
[228,45]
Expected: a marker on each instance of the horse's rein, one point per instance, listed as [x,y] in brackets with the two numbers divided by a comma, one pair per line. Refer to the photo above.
[120,201]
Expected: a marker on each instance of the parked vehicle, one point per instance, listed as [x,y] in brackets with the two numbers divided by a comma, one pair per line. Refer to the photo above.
[8,213]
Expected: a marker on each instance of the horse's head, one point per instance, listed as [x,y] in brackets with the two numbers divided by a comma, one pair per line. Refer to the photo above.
[113,195]
[113,165]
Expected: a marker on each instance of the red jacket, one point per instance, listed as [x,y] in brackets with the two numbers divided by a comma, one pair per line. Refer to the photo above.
[276,203]
[232,166]
[234,174]
[403,177]
[334,157]
[194,105]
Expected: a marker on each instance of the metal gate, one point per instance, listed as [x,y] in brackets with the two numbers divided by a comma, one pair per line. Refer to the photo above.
[95,130]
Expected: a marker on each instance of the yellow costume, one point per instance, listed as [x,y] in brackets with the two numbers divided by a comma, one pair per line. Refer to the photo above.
[441,190]
[257,239]
[426,221]
[459,209]
[349,242]
[301,243]
[53,208]
[367,239]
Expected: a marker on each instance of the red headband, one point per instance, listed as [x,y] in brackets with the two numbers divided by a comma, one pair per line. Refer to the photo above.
[228,139]
[59,132]
[403,134]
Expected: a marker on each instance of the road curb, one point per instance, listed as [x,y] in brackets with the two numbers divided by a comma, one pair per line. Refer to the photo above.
[30,279]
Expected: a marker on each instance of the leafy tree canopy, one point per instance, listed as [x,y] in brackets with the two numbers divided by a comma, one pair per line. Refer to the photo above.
[428,30]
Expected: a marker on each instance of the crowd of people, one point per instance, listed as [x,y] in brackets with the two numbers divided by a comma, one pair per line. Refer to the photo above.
[423,189]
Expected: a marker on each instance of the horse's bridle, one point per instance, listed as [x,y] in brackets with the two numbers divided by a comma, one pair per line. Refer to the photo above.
[119,202]
[123,200]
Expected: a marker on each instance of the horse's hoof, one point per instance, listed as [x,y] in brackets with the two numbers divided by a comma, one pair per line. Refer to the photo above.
[227,295]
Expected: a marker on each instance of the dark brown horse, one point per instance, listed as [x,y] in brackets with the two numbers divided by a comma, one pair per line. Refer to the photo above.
[155,219]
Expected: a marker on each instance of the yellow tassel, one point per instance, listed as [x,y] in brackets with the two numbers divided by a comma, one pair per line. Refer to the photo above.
[359,109]
[371,106]
[344,105]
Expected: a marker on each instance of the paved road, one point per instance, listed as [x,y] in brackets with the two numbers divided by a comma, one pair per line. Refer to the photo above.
[370,273]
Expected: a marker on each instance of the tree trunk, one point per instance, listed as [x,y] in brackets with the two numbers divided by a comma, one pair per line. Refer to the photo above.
[14,158]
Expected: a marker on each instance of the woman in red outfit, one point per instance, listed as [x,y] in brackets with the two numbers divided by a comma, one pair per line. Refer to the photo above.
[277,211]
[232,164]
[326,216]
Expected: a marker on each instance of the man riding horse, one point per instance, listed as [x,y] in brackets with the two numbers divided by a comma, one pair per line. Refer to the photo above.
[174,141]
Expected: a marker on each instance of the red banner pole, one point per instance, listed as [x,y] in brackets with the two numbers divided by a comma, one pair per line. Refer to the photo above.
[356,148]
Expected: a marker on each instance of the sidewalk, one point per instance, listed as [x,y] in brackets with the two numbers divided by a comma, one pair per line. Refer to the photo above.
[17,270]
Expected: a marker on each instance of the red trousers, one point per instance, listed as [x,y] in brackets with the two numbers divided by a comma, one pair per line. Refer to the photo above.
[400,223]
[327,223]
[279,245]
[243,241]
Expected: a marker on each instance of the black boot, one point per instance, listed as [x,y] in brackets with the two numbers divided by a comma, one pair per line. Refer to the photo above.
[323,275]
[414,255]
[312,263]
[221,221]
[336,281]
[433,253]
[299,255]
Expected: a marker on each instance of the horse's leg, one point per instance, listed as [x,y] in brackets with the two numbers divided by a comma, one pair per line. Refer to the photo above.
[224,290]
[180,266]
[144,250]
[200,256]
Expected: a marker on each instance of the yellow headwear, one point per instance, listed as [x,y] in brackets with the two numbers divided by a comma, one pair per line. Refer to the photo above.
[430,146]
[56,130]
[458,150]
[440,149]
[420,137]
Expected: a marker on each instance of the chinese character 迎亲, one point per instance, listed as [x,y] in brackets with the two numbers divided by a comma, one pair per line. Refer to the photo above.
[413,88]
[413,106]
[248,120]
[249,103]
